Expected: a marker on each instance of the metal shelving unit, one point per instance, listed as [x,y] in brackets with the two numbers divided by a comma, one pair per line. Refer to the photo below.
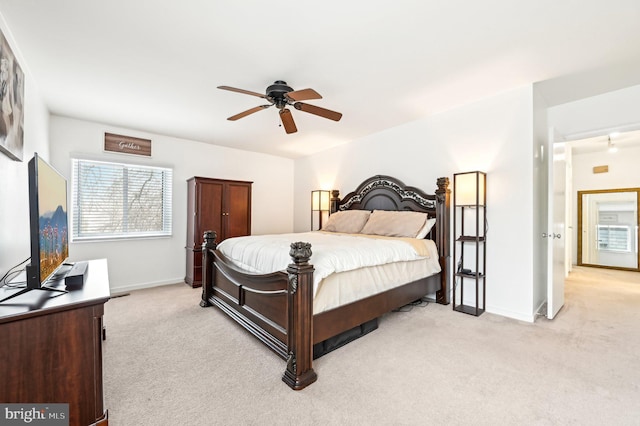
[470,248]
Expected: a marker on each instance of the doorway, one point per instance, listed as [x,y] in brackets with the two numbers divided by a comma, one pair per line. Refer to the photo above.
[593,160]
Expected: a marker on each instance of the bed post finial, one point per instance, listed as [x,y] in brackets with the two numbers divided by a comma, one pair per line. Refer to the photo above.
[209,240]
[299,371]
[208,244]
[335,199]
[300,253]
[443,188]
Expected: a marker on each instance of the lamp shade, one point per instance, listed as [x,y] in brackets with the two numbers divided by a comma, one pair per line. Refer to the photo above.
[469,188]
[320,207]
[320,200]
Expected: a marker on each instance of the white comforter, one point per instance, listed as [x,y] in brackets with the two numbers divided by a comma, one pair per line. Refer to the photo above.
[332,252]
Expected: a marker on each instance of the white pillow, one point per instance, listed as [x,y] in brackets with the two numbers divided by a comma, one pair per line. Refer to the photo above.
[348,221]
[426,228]
[394,223]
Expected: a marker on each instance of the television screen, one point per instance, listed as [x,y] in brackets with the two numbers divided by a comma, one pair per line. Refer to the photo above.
[49,227]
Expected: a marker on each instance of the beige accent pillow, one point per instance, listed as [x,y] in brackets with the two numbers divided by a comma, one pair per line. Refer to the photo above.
[394,223]
[348,221]
[426,228]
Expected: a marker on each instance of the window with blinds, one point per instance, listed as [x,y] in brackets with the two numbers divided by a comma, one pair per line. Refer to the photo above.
[113,200]
[614,238]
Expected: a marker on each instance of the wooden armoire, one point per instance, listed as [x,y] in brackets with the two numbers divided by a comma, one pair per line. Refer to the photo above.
[223,206]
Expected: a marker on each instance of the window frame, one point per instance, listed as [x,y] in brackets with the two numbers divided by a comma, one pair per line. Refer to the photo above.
[167,203]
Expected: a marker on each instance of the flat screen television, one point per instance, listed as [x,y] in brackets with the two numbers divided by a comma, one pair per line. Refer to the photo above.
[48,221]
[49,230]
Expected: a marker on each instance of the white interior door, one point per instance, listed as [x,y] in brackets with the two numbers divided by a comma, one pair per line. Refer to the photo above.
[556,233]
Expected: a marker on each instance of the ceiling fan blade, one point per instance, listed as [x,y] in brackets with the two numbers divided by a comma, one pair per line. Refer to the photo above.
[247,112]
[287,121]
[246,92]
[316,110]
[303,95]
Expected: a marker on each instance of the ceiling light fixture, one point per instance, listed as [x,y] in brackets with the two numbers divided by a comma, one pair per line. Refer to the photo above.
[612,147]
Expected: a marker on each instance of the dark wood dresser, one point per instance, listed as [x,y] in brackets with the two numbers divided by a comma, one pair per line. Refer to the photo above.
[51,349]
[223,206]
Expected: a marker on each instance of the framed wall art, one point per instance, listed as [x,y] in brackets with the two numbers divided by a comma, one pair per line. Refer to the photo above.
[11,103]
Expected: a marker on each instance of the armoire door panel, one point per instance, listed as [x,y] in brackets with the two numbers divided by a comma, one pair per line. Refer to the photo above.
[239,209]
[209,210]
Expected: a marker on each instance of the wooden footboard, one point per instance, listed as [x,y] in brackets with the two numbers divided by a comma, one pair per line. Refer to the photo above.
[277,308]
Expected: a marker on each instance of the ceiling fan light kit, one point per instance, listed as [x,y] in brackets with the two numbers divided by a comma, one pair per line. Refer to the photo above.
[281,95]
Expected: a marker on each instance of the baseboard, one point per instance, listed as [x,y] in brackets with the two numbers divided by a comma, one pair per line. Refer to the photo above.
[510,314]
[140,286]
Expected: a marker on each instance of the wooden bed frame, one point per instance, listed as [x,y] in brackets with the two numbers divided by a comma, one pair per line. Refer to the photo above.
[277,308]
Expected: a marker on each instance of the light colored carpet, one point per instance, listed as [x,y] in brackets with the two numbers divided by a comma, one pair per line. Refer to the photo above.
[169,362]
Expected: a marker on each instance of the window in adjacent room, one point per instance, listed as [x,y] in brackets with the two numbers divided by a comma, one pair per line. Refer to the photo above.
[113,200]
[614,238]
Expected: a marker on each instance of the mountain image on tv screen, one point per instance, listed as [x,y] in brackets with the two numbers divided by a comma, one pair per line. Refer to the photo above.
[54,240]
[53,231]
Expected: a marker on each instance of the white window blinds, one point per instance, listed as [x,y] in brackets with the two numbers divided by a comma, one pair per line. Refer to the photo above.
[112,200]
[614,238]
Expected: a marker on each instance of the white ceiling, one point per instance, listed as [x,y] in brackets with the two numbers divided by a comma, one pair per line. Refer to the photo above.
[154,65]
[621,141]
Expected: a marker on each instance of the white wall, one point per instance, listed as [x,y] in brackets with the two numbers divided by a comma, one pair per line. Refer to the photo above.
[493,135]
[147,262]
[623,170]
[14,185]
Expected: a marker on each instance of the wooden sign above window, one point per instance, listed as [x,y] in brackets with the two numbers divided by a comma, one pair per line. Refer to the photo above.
[127,144]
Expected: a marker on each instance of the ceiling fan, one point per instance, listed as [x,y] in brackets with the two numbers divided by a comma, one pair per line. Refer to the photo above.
[281,95]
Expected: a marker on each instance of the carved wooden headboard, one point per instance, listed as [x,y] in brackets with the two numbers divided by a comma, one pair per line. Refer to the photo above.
[386,193]
[382,192]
